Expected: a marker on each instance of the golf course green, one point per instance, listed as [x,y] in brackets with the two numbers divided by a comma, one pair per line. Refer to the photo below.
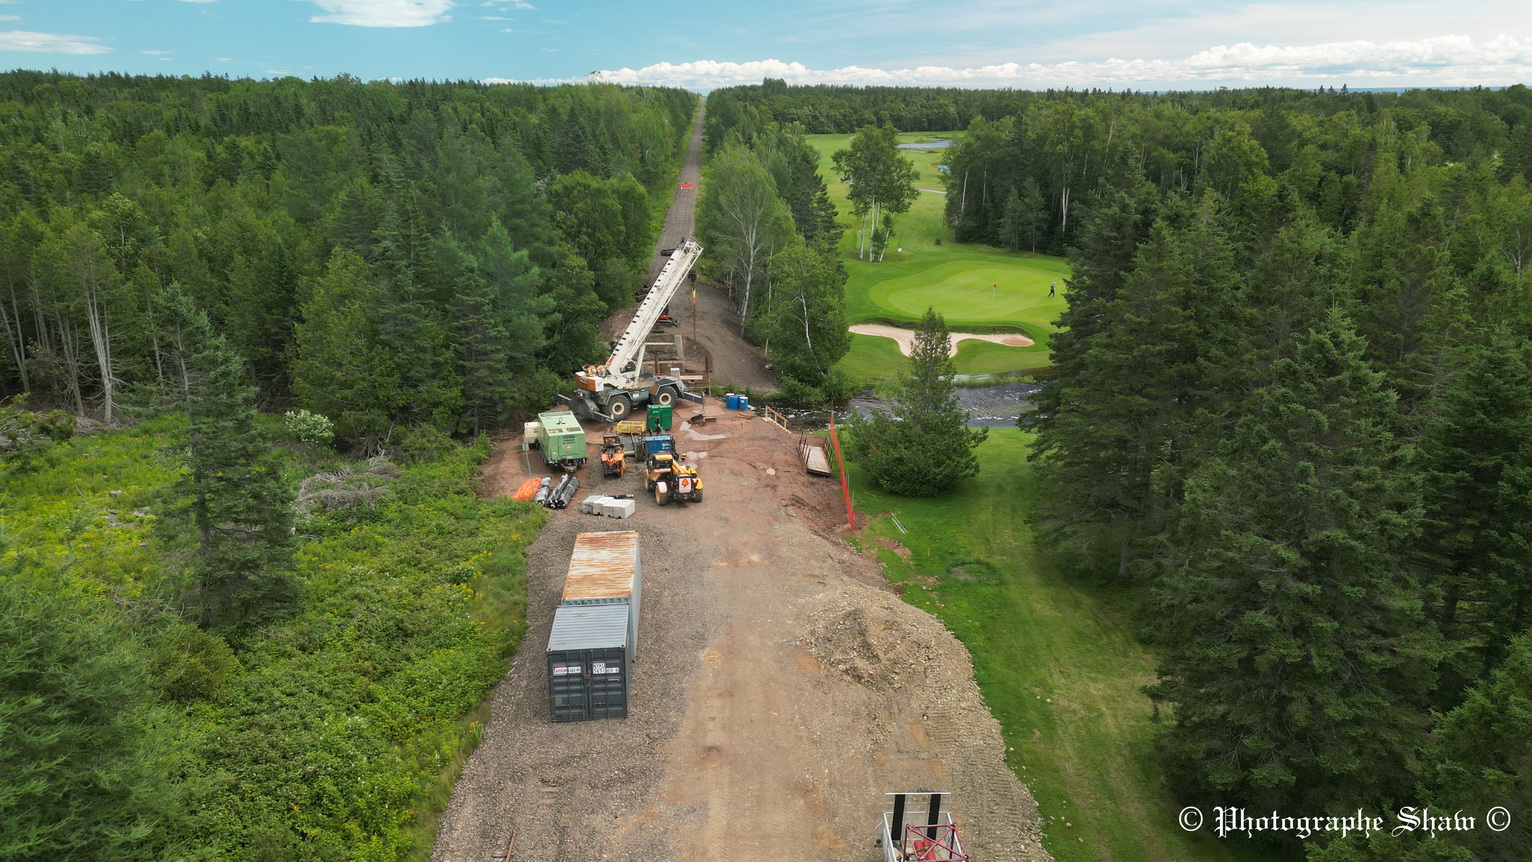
[976,288]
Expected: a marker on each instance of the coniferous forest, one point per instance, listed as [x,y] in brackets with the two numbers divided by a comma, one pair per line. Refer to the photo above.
[220,637]
[1289,411]
[387,254]
[1291,407]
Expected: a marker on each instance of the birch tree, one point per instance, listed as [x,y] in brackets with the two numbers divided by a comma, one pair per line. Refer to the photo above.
[882,184]
[82,282]
[806,325]
[742,221]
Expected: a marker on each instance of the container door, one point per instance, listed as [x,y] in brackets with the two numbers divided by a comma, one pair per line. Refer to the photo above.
[567,697]
[608,684]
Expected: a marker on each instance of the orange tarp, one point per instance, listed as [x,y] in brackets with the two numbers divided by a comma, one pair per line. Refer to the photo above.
[528,489]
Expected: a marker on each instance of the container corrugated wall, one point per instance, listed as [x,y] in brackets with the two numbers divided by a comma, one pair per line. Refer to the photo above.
[588,662]
[605,569]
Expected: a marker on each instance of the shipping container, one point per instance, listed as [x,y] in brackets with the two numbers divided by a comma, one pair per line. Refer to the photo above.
[605,570]
[589,662]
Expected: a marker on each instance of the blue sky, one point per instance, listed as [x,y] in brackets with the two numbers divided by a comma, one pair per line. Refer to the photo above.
[1152,44]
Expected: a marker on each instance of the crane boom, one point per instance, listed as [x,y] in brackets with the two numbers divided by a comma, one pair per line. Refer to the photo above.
[630,345]
[611,390]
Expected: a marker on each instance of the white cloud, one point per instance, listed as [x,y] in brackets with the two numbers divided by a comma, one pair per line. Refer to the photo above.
[1439,61]
[10,17]
[1292,22]
[199,1]
[51,43]
[155,53]
[383,13]
[492,18]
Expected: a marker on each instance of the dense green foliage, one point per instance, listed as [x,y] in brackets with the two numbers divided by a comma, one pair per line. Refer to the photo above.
[1032,161]
[1059,663]
[1296,658]
[1290,394]
[880,185]
[925,447]
[383,254]
[767,222]
[90,756]
[830,109]
[327,732]
[234,493]
[205,657]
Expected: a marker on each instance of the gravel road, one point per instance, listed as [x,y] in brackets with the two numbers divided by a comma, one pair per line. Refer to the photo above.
[780,690]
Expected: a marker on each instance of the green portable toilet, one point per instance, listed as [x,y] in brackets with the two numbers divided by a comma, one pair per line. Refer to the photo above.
[659,418]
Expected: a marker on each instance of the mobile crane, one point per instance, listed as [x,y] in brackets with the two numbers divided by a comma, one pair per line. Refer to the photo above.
[612,390]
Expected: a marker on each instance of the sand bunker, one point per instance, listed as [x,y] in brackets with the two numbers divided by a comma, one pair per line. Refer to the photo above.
[906,337]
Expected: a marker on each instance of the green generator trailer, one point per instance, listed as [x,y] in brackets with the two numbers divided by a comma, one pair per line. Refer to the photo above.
[561,440]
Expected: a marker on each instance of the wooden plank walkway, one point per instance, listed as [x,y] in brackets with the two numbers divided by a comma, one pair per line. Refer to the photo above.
[814,459]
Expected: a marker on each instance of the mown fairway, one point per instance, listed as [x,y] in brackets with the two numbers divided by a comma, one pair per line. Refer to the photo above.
[975,287]
[1058,660]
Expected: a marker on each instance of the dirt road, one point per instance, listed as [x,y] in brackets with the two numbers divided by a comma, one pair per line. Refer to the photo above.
[780,690]
[709,321]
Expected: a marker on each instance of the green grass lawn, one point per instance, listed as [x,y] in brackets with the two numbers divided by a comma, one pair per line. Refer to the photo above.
[972,286]
[1059,662]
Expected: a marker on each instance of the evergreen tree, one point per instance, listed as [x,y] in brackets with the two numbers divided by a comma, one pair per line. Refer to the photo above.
[1479,758]
[1401,276]
[1295,654]
[496,328]
[794,164]
[238,503]
[1112,232]
[1476,549]
[339,369]
[88,757]
[571,328]
[1111,459]
[418,346]
[925,448]
[263,292]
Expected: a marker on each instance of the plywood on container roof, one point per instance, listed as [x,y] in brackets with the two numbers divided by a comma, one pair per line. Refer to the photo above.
[603,566]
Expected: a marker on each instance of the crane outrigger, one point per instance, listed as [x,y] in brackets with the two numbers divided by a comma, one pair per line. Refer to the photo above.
[612,390]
